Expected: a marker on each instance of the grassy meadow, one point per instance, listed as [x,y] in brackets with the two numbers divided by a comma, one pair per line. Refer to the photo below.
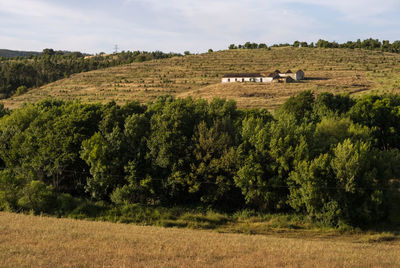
[333,70]
[32,241]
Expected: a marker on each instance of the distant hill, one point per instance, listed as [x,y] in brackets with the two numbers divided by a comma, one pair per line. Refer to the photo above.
[6,53]
[338,70]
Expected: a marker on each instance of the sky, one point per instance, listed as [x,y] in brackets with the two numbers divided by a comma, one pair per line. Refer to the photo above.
[94,26]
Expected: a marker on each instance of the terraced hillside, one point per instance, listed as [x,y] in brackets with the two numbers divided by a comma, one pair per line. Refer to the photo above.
[333,70]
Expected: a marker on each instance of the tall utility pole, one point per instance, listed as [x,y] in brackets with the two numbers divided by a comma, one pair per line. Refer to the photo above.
[116,49]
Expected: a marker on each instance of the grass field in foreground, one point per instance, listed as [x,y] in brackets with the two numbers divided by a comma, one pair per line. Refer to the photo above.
[32,241]
[199,76]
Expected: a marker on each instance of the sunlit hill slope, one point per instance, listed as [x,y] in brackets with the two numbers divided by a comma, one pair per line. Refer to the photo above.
[333,70]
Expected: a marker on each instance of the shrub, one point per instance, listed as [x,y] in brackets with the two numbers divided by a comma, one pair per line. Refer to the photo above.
[67,203]
[38,197]
[10,188]
[21,90]
[88,209]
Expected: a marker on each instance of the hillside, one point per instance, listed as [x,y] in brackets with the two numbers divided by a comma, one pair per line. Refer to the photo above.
[6,53]
[333,70]
[29,241]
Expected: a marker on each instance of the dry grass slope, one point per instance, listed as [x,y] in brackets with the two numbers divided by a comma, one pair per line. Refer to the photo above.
[333,70]
[31,241]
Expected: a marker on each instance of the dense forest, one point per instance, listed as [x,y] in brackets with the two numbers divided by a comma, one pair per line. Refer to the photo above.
[330,157]
[370,44]
[19,74]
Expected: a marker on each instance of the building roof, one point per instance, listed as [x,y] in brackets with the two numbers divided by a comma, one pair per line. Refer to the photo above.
[274,75]
[289,72]
[243,75]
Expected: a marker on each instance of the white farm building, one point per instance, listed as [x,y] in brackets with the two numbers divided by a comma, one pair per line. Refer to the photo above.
[246,77]
[299,75]
[276,76]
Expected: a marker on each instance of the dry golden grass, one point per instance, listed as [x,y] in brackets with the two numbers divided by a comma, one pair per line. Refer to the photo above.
[251,95]
[31,241]
[199,76]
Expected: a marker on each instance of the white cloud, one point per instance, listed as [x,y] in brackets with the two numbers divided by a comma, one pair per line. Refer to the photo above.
[41,9]
[233,21]
[178,25]
[356,10]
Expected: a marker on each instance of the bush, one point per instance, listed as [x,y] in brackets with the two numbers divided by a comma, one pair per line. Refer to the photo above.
[67,203]
[21,90]
[88,209]
[10,191]
[38,197]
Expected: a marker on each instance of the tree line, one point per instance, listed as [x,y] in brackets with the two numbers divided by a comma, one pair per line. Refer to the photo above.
[331,157]
[370,44]
[6,53]
[19,74]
